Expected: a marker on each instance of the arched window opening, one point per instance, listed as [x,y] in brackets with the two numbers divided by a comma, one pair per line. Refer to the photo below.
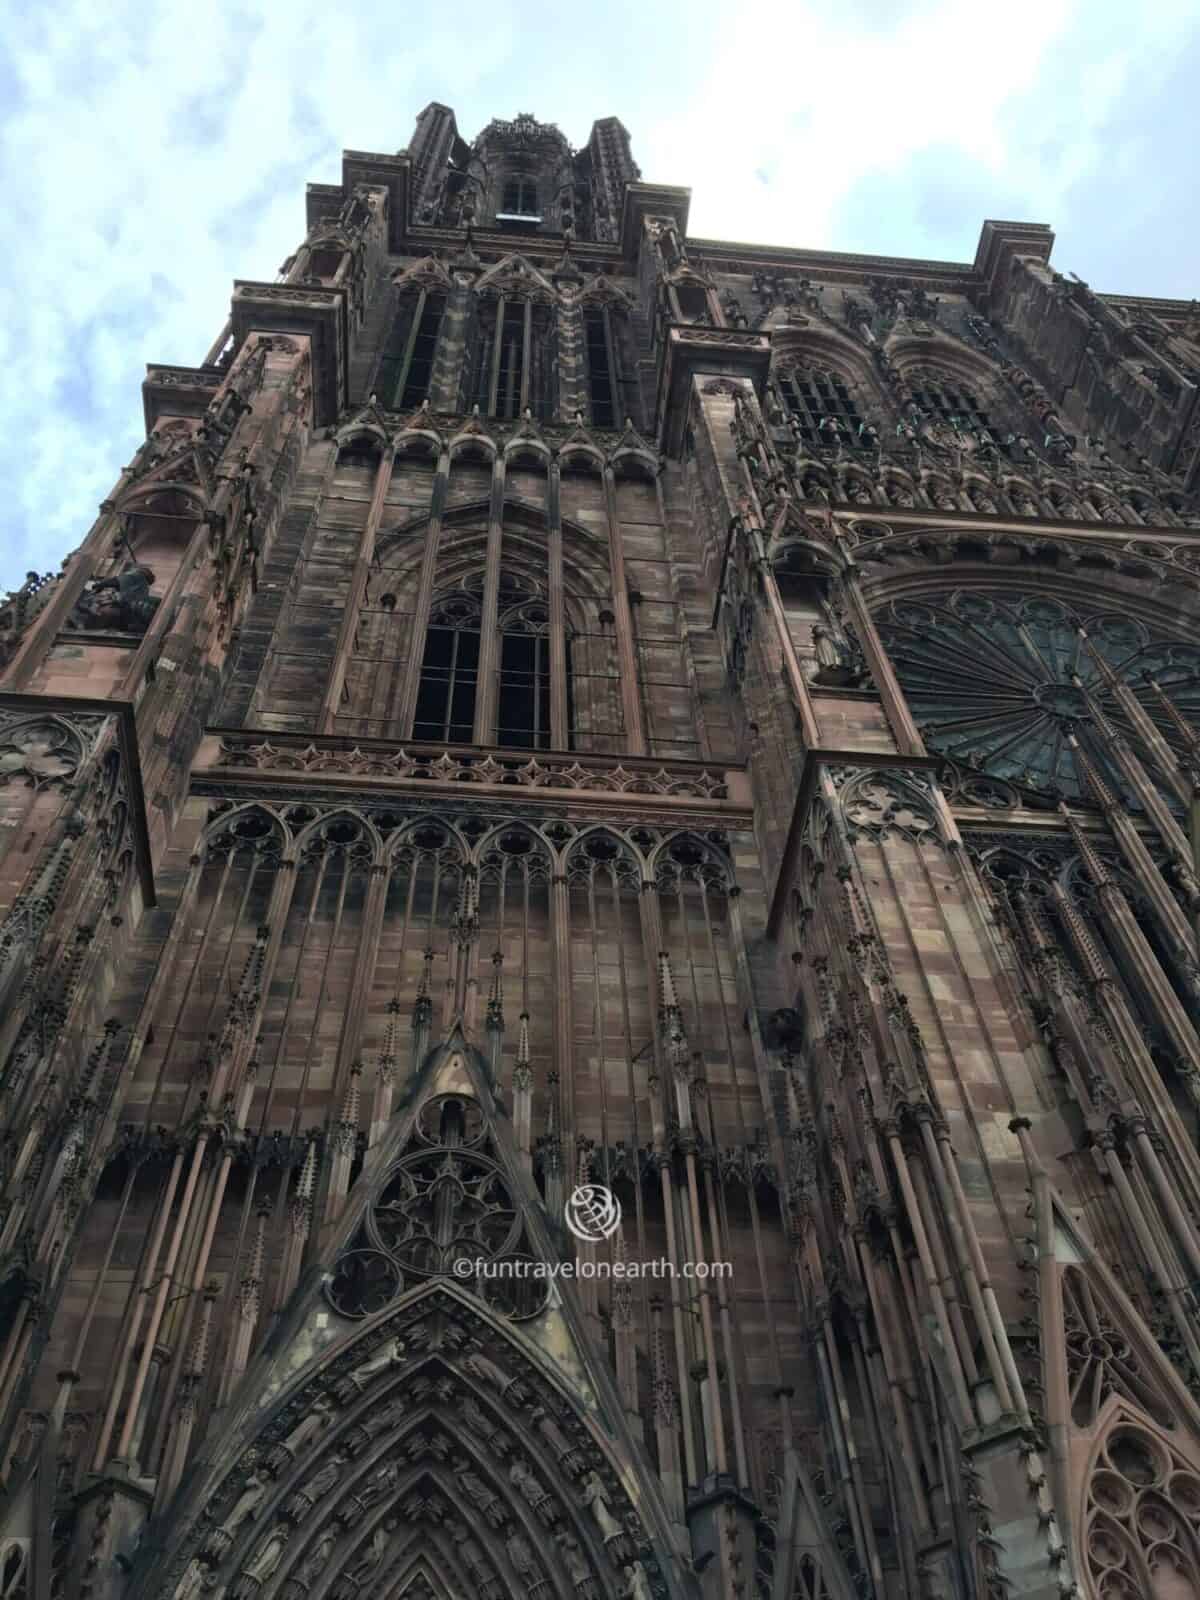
[447,697]
[407,367]
[324,263]
[449,672]
[822,409]
[692,300]
[514,361]
[519,199]
[523,715]
[600,363]
[952,403]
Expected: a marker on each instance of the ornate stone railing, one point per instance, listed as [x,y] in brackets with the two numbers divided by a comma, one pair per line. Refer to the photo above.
[563,772]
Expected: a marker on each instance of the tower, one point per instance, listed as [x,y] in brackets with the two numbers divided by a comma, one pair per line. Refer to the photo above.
[553,704]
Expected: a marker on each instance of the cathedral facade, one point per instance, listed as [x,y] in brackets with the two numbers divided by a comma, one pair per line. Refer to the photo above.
[599,926]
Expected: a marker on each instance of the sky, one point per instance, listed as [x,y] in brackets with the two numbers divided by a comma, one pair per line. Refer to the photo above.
[150,153]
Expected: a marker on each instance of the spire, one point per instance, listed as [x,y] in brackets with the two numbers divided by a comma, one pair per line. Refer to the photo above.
[466,919]
[1178,721]
[423,1004]
[346,1131]
[495,1005]
[306,1184]
[387,1056]
[670,1018]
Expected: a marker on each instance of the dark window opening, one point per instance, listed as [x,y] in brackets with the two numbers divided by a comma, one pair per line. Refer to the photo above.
[523,712]
[600,383]
[424,348]
[449,679]
[324,263]
[520,198]
[511,372]
[407,366]
[822,410]
[693,302]
[447,694]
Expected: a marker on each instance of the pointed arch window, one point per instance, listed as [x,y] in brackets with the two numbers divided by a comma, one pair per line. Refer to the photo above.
[601,365]
[822,410]
[514,361]
[953,403]
[450,671]
[448,696]
[406,371]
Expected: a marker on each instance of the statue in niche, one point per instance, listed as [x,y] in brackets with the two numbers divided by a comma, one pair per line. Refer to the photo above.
[834,666]
[122,604]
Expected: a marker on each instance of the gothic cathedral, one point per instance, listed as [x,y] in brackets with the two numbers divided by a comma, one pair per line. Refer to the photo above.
[556,704]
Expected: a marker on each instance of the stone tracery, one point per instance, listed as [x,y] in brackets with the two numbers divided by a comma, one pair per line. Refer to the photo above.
[998,682]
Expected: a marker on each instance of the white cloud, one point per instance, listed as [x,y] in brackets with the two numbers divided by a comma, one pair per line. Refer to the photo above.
[820,101]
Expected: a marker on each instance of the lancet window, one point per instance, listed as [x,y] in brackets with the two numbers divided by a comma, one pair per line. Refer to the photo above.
[601,365]
[821,408]
[447,699]
[514,360]
[406,370]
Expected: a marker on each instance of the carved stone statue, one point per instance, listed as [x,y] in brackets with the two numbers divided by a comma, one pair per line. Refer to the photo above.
[387,1356]
[122,604]
[298,1505]
[532,1492]
[268,1557]
[246,1506]
[481,1425]
[363,1499]
[316,1561]
[568,1456]
[578,1569]
[520,1553]
[478,1493]
[595,1495]
[192,1581]
[376,1421]
[368,1559]
[485,1369]
[305,1430]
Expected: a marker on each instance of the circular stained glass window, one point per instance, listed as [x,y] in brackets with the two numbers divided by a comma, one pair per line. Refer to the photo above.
[998,683]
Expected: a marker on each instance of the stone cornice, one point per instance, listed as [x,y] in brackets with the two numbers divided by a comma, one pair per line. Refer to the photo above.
[178,391]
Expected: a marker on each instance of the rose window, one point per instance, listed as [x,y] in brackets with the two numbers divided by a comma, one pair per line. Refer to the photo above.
[999,684]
